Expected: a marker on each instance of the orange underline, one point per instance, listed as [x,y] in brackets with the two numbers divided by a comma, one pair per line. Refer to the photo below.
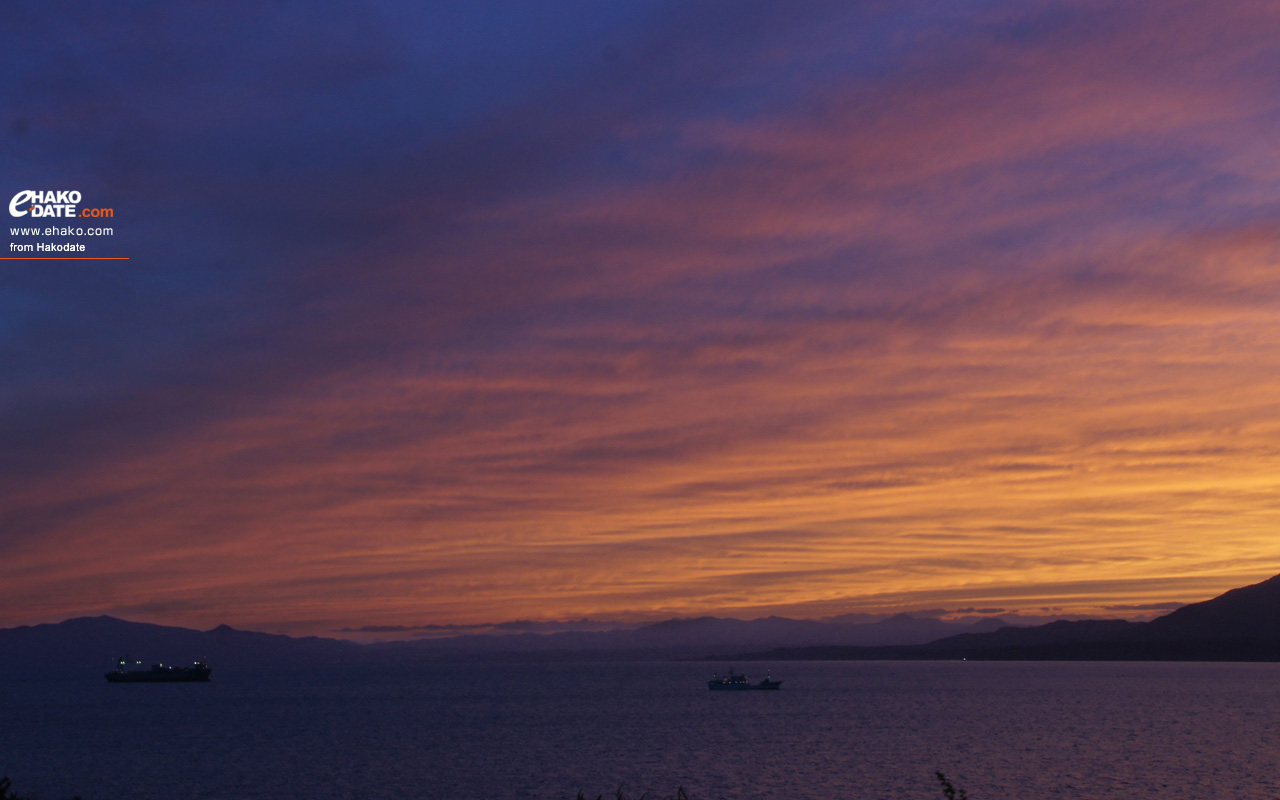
[65,258]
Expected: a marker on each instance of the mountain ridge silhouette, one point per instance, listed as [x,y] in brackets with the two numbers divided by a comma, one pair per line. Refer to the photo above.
[1241,624]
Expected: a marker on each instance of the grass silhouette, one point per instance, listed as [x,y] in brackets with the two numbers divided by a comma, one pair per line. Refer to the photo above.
[949,791]
[680,795]
[7,793]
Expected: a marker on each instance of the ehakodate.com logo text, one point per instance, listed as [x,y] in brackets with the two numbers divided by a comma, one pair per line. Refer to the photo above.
[52,204]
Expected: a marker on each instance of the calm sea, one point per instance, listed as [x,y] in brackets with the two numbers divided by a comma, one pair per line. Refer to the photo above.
[835,730]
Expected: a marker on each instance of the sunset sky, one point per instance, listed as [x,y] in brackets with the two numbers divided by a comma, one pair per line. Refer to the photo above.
[626,311]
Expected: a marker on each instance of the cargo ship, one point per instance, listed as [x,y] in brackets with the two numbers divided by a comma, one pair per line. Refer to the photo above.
[737,682]
[159,673]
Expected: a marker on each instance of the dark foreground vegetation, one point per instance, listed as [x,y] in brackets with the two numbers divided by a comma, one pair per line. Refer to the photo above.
[949,791]
[680,795]
[7,793]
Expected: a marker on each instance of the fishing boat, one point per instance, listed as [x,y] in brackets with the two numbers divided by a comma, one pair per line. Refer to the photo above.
[736,681]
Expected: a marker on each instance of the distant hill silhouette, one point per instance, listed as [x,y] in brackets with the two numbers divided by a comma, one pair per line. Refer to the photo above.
[88,645]
[1250,612]
[1240,625]
[695,637]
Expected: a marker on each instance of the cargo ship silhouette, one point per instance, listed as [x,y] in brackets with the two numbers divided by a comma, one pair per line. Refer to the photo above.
[735,681]
[159,673]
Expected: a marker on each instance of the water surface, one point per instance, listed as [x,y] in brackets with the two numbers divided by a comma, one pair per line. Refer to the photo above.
[835,730]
